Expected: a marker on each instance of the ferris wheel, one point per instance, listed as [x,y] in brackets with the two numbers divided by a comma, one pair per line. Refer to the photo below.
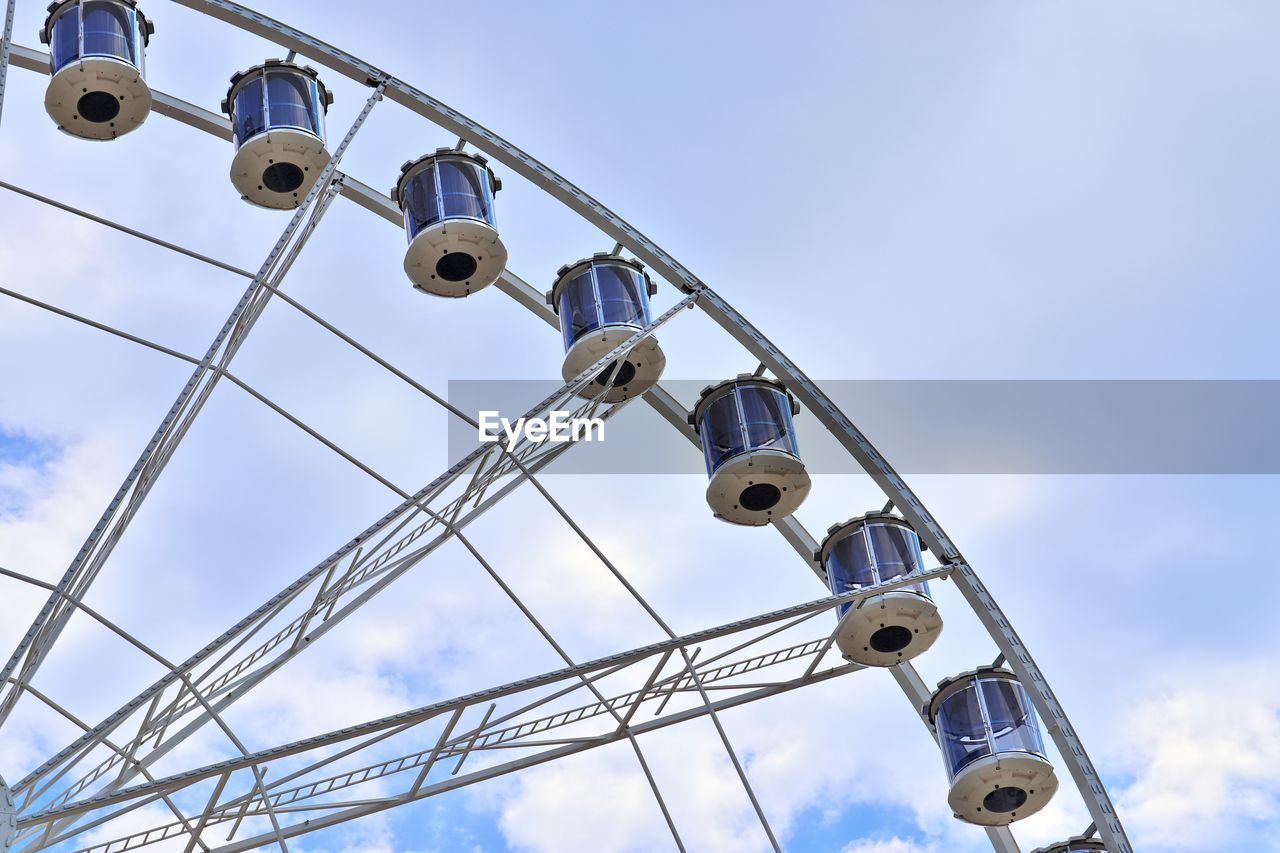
[990,723]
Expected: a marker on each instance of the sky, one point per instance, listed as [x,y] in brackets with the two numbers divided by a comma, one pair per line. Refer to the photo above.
[916,190]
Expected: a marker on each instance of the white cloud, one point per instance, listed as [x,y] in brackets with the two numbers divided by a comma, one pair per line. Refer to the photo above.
[891,845]
[600,801]
[1205,754]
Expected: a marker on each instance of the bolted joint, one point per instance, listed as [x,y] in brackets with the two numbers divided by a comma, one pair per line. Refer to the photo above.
[8,818]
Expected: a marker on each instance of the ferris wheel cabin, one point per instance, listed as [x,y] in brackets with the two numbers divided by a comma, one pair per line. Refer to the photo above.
[277,112]
[895,626]
[97,59]
[992,747]
[447,201]
[749,441]
[602,301]
[1074,845]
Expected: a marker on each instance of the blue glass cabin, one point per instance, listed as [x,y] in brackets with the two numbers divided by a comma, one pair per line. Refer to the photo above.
[982,713]
[111,29]
[744,415]
[871,549]
[599,292]
[448,184]
[276,95]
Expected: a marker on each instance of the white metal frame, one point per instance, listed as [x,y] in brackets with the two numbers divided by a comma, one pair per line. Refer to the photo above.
[211,680]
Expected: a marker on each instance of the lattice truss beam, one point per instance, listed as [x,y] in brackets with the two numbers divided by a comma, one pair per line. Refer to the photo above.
[347,774]
[344,775]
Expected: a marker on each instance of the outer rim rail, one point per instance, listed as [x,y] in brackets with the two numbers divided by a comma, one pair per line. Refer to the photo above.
[1088,782]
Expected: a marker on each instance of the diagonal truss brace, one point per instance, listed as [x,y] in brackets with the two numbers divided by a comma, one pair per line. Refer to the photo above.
[493,734]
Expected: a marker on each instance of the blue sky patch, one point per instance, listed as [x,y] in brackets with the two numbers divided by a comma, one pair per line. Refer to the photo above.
[21,453]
